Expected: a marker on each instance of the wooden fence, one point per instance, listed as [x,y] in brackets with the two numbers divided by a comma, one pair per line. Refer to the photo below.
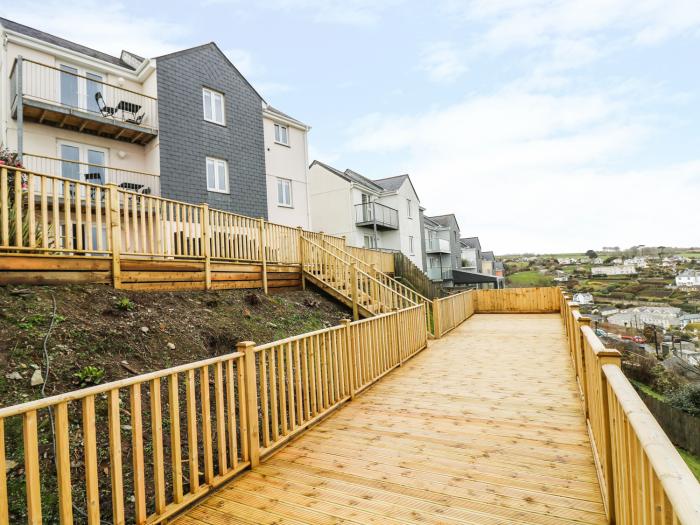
[518,300]
[643,479]
[168,438]
[410,273]
[60,223]
[451,311]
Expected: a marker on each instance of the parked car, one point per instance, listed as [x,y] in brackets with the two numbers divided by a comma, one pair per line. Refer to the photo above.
[634,338]
[601,333]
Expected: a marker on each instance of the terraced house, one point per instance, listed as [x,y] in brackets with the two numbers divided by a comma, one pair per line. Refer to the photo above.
[186,126]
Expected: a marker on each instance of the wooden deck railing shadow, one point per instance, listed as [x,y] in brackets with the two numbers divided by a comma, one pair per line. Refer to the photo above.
[165,439]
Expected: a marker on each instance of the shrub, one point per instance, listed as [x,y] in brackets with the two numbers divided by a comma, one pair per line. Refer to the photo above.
[125,304]
[687,398]
[88,376]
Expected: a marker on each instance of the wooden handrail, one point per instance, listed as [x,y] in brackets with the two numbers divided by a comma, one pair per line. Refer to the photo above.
[281,387]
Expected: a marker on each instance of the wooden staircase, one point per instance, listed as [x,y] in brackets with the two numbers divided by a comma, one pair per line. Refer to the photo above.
[351,281]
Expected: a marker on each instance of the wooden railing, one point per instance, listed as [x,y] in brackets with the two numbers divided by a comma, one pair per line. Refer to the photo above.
[643,479]
[162,440]
[518,300]
[49,215]
[405,270]
[382,259]
[451,311]
[359,288]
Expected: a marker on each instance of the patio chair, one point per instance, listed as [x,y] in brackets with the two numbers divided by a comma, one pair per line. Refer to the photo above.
[107,111]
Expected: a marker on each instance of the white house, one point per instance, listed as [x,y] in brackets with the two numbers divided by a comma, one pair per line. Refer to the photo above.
[380,213]
[566,260]
[664,316]
[638,262]
[583,298]
[688,278]
[622,269]
[286,166]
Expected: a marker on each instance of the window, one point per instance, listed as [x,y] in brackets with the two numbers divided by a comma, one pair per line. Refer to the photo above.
[79,87]
[281,134]
[213,106]
[410,244]
[409,212]
[217,175]
[284,192]
[370,241]
[82,162]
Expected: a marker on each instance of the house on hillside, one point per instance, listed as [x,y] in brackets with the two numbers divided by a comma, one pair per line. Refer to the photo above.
[638,262]
[583,298]
[473,261]
[442,248]
[688,278]
[471,253]
[564,261]
[187,125]
[664,316]
[374,213]
[620,269]
[488,259]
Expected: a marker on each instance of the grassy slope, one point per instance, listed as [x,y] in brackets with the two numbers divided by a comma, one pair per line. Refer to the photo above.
[692,461]
[529,278]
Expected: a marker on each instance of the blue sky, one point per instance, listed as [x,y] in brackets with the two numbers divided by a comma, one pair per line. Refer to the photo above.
[544,125]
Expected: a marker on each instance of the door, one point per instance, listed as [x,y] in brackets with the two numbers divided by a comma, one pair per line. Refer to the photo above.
[366,208]
[69,86]
[95,168]
[94,86]
[70,169]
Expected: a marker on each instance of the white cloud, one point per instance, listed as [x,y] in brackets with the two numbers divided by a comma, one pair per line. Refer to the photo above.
[107,27]
[442,62]
[243,60]
[533,171]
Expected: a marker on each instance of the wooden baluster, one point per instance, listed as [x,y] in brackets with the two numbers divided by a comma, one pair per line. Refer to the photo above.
[264,391]
[19,205]
[4,207]
[31,219]
[252,422]
[206,424]
[143,204]
[137,454]
[313,397]
[192,448]
[159,225]
[297,381]
[175,448]
[290,387]
[128,247]
[4,505]
[89,245]
[31,468]
[274,409]
[90,456]
[231,412]
[281,386]
[55,205]
[305,381]
[115,456]
[157,433]
[67,221]
[220,419]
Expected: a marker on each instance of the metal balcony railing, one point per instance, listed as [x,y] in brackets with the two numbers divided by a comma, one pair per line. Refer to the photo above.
[438,246]
[373,213]
[139,182]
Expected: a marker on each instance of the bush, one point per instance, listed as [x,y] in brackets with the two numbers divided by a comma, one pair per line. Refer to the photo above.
[88,376]
[687,398]
[125,304]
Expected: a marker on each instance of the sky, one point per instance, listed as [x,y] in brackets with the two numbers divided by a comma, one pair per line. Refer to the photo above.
[544,125]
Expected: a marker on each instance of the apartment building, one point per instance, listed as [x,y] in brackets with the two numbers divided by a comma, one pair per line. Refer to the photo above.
[442,248]
[186,126]
[379,213]
[470,249]
[287,168]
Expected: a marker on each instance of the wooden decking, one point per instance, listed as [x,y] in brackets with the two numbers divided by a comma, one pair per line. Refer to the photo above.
[484,427]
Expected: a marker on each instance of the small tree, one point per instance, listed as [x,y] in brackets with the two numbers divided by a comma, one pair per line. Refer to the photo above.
[591,254]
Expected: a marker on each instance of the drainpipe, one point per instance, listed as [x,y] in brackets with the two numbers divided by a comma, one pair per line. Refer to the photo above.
[20,109]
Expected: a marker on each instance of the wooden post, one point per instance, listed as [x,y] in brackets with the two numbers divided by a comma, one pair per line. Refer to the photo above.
[206,245]
[263,247]
[353,291]
[352,369]
[397,335]
[302,250]
[251,399]
[115,234]
[436,319]
[583,321]
[608,357]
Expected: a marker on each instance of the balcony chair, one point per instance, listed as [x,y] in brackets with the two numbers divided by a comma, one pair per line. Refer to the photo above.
[107,111]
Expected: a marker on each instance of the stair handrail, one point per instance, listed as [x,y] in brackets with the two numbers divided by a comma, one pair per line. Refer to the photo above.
[418,297]
[359,271]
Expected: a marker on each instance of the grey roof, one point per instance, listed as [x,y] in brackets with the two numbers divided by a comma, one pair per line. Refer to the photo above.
[392,183]
[57,41]
[488,256]
[470,242]
[445,220]
[284,115]
[430,222]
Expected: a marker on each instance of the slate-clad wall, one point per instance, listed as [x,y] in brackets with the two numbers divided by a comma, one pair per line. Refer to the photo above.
[186,139]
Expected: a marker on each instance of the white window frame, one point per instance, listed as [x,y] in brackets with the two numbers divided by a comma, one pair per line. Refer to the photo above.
[216,162]
[409,208]
[281,180]
[411,247]
[82,155]
[279,126]
[372,244]
[212,94]
[82,81]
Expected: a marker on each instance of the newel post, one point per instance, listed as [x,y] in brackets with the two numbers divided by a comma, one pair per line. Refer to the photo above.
[354,291]
[302,256]
[573,307]
[263,249]
[206,245]
[350,350]
[437,322]
[115,234]
[583,379]
[251,401]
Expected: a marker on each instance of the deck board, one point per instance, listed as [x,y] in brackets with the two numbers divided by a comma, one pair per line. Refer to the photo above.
[484,427]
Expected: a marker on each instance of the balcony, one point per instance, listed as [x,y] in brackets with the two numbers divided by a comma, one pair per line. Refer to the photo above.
[63,98]
[139,182]
[438,246]
[371,214]
[439,274]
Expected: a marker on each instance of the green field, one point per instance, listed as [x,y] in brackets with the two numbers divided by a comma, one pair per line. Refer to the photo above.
[692,461]
[529,278]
